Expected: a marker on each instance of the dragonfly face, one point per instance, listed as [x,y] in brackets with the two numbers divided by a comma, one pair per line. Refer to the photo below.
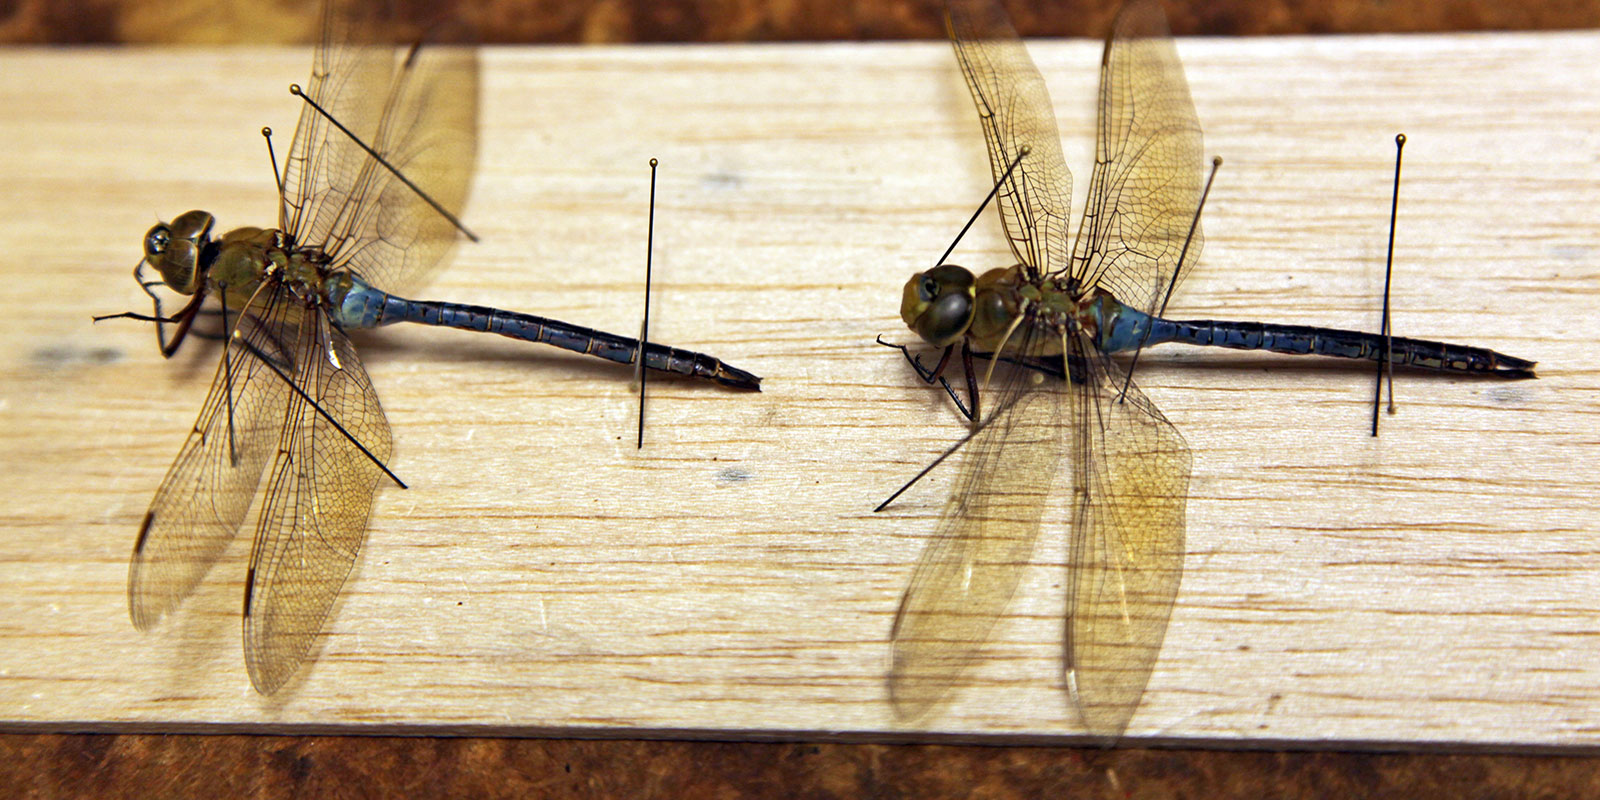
[174,250]
[938,304]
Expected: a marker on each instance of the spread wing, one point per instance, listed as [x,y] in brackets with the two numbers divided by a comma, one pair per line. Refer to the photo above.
[971,567]
[418,109]
[1125,559]
[1147,167]
[314,519]
[1014,110]
[203,499]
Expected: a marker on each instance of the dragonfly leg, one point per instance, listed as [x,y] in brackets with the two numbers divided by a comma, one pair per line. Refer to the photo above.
[183,319]
[927,375]
[972,382]
[937,373]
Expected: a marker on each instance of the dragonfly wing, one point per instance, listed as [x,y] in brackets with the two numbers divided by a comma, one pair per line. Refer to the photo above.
[1147,171]
[419,110]
[1127,547]
[315,515]
[971,568]
[207,491]
[1015,112]
[351,72]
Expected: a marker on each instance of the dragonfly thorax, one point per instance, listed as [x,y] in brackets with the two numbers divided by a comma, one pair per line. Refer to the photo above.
[1009,301]
[948,302]
[235,264]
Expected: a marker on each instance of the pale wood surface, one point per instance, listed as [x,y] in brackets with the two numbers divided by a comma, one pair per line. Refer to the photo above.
[1435,586]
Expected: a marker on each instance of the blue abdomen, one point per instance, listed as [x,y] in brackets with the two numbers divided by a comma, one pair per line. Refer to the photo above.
[362,306]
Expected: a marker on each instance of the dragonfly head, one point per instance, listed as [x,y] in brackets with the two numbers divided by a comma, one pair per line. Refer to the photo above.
[174,250]
[938,304]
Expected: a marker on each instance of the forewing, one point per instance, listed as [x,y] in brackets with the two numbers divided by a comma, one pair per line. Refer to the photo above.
[1014,110]
[1127,550]
[315,516]
[970,569]
[416,108]
[200,504]
[325,172]
[1147,172]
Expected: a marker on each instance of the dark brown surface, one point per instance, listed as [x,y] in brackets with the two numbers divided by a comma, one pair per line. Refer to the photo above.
[520,21]
[49,765]
[296,767]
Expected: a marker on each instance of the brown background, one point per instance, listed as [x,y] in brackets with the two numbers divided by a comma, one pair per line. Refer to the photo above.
[294,766]
[629,21]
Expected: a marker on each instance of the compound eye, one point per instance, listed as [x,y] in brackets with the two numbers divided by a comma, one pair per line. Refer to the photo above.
[946,319]
[937,304]
[156,241]
[177,258]
[194,225]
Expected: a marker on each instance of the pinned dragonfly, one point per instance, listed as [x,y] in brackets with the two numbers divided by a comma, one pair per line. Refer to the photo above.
[374,180]
[1065,312]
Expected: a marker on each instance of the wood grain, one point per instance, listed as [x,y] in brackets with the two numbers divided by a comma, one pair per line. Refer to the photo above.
[1435,586]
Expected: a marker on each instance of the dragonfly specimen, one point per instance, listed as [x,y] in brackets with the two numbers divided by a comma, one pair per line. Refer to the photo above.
[377,171]
[1066,312]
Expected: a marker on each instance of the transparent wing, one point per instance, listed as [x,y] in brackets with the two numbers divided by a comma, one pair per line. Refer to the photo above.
[352,71]
[419,110]
[207,491]
[1129,466]
[970,569]
[315,515]
[1126,557]
[1147,170]
[1014,110]
[1130,477]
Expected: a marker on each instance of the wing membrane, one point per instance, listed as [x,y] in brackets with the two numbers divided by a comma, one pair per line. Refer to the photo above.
[1126,558]
[351,74]
[1147,170]
[971,568]
[1129,468]
[419,111]
[315,516]
[1015,112]
[203,499]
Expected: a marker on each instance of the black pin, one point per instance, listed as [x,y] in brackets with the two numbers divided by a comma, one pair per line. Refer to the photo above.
[644,328]
[1386,364]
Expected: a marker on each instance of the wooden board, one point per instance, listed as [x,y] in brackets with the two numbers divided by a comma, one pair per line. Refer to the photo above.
[1439,585]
